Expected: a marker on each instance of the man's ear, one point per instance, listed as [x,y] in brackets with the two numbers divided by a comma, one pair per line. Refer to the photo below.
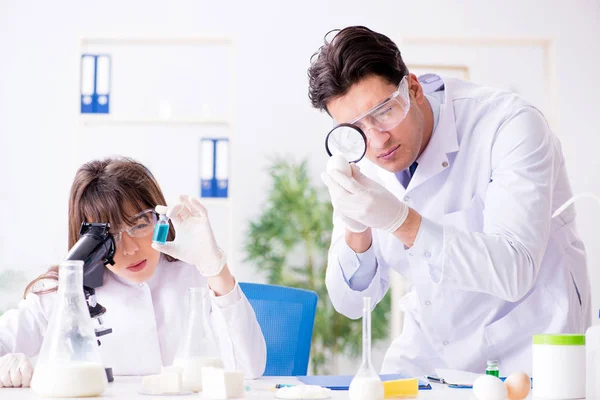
[415,89]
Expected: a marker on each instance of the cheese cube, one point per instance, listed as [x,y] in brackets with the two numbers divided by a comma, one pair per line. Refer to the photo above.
[401,388]
[220,384]
[169,382]
[172,368]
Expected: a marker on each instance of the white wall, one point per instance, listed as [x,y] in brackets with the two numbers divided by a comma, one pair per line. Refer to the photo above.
[39,72]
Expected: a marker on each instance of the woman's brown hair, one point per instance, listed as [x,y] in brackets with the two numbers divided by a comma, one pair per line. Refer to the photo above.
[100,192]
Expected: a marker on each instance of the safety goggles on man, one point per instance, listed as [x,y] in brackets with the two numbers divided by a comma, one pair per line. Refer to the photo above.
[388,114]
[144,226]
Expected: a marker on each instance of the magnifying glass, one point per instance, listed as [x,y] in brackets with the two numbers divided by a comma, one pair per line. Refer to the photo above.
[347,140]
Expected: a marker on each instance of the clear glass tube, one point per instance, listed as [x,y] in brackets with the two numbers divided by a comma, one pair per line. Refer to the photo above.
[366,332]
[366,384]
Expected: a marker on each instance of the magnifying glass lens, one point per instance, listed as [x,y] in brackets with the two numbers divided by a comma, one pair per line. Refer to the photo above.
[347,140]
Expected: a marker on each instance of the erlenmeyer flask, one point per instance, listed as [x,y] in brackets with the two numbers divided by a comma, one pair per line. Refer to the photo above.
[69,363]
[197,347]
[366,384]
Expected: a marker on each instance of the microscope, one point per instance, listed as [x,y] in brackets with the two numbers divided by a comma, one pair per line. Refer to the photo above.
[96,248]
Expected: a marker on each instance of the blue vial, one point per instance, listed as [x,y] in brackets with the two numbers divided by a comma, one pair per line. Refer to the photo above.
[161,230]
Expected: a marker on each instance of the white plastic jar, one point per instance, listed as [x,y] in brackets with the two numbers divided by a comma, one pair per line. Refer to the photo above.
[559,367]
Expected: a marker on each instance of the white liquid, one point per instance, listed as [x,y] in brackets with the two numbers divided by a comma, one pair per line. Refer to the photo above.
[366,389]
[77,379]
[192,370]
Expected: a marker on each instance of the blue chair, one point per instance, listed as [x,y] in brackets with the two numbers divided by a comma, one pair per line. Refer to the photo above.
[286,316]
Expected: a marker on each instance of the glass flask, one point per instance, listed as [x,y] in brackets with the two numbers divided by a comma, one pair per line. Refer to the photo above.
[197,347]
[366,384]
[69,363]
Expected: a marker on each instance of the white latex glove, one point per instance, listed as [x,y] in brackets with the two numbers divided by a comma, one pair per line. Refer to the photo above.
[338,163]
[365,201]
[15,370]
[352,225]
[194,240]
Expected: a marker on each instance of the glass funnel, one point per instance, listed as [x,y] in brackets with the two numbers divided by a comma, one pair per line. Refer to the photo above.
[198,347]
[69,363]
[366,384]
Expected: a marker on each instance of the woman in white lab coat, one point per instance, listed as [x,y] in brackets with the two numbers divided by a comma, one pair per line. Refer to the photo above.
[145,291]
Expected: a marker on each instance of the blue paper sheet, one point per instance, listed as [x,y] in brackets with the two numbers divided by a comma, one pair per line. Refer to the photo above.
[343,382]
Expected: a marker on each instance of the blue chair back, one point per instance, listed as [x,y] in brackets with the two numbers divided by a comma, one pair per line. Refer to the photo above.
[287,317]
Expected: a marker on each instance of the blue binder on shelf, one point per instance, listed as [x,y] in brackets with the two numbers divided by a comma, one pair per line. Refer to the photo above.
[95,83]
[342,382]
[207,167]
[88,83]
[214,169]
[222,167]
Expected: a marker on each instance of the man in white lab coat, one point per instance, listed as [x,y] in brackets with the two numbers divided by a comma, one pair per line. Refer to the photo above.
[456,194]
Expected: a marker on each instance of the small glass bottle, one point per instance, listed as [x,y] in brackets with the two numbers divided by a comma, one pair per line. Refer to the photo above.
[161,230]
[492,368]
[366,384]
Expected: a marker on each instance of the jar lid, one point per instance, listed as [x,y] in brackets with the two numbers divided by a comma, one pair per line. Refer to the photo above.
[560,340]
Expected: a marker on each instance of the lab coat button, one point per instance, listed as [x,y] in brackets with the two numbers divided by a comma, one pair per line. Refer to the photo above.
[446,343]
[406,198]
[427,303]
[445,164]
[427,255]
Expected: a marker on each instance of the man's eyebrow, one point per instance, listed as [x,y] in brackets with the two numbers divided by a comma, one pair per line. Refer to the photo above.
[371,109]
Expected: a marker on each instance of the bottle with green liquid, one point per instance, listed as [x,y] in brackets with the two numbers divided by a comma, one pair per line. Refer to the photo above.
[492,368]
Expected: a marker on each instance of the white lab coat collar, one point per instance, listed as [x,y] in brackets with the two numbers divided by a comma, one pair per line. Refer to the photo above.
[162,262]
[434,158]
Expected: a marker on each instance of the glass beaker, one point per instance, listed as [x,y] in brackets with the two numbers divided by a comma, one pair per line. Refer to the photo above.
[69,363]
[197,347]
[366,384]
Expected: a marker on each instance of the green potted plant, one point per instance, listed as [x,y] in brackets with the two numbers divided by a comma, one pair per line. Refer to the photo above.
[289,241]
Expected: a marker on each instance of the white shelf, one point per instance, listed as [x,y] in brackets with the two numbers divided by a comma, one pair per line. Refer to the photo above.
[149,40]
[104,119]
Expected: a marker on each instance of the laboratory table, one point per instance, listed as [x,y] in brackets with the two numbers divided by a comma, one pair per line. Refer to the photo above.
[127,387]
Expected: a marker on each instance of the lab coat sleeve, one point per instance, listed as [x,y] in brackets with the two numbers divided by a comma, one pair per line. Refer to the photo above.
[505,258]
[358,269]
[22,329]
[350,277]
[240,338]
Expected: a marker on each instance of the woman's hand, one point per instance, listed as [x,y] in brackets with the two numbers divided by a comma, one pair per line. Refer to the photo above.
[194,240]
[15,370]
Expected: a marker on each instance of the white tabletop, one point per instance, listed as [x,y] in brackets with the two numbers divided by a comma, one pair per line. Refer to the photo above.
[127,387]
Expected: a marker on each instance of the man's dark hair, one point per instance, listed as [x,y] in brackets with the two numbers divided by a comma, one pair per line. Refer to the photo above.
[355,52]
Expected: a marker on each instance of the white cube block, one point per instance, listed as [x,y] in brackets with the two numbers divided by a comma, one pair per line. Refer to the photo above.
[169,382]
[172,369]
[220,384]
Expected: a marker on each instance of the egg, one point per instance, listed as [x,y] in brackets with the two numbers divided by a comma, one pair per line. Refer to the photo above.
[518,385]
[339,163]
[488,387]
